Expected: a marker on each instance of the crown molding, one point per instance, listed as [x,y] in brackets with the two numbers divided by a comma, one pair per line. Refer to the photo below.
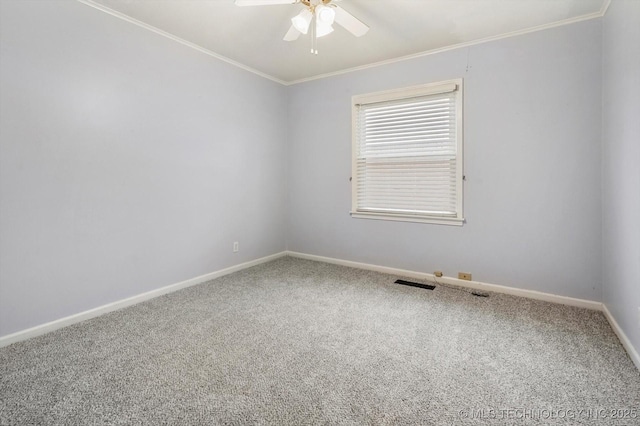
[170,36]
[595,15]
[564,22]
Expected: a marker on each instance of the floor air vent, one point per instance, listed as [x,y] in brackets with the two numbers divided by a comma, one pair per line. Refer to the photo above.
[412,284]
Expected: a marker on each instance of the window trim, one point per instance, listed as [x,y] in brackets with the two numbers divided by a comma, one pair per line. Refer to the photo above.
[406,93]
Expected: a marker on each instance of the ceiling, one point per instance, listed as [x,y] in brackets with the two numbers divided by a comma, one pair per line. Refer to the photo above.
[252,36]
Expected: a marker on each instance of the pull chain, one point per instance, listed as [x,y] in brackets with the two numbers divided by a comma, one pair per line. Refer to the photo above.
[314,41]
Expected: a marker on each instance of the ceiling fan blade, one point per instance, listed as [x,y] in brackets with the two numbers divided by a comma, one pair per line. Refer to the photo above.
[263,2]
[350,22]
[292,34]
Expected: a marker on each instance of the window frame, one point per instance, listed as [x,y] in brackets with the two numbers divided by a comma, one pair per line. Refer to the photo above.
[408,93]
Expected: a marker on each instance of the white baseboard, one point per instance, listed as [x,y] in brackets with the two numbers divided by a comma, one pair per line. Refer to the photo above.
[530,294]
[626,343]
[110,307]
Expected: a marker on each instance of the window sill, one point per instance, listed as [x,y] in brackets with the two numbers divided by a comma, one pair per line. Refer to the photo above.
[451,221]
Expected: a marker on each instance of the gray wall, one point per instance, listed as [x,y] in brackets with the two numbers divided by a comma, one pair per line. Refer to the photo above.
[128,162]
[621,165]
[532,160]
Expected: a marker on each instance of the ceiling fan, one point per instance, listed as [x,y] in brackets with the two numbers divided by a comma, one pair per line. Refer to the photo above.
[317,16]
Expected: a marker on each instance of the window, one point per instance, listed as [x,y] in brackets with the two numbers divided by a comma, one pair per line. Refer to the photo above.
[407,154]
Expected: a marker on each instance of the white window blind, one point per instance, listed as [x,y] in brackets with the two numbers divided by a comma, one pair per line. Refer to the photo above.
[408,154]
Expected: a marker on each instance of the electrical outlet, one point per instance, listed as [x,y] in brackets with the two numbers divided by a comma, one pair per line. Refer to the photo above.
[236,247]
[464,276]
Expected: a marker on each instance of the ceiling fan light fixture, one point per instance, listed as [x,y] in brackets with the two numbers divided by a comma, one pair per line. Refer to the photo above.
[317,18]
[325,15]
[302,20]
[322,30]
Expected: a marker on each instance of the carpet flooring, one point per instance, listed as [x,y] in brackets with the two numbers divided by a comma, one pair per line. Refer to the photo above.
[300,342]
